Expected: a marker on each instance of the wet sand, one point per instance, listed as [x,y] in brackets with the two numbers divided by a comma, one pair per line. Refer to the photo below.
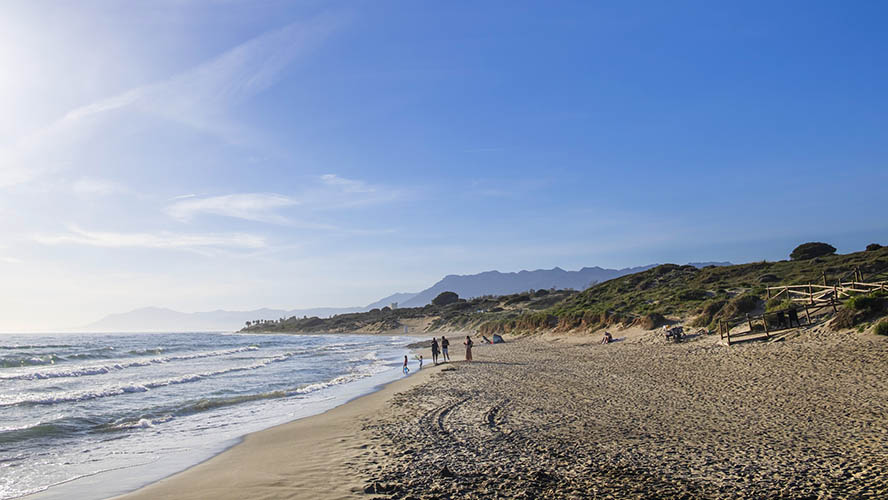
[806,418]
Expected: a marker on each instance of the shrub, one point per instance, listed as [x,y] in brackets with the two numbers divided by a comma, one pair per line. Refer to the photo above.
[517,299]
[693,294]
[650,321]
[867,303]
[881,328]
[812,250]
[742,304]
[445,298]
[873,247]
[778,305]
[710,309]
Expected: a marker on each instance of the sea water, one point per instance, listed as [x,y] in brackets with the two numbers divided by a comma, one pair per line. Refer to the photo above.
[95,415]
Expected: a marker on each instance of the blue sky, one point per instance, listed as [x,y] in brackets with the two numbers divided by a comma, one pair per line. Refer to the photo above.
[228,154]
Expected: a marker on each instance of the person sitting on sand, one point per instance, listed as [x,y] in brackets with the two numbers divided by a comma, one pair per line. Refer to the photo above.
[444,345]
[607,338]
[468,344]
[435,350]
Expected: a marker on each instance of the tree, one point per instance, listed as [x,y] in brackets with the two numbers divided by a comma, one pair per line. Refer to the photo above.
[445,298]
[248,323]
[872,247]
[811,250]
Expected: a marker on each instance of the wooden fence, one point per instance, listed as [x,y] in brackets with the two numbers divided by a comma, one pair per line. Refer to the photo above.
[820,295]
[810,297]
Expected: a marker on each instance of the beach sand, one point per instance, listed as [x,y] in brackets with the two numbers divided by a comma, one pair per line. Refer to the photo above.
[533,418]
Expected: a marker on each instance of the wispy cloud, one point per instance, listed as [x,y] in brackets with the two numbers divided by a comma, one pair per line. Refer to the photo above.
[260,207]
[198,98]
[160,240]
[347,185]
[336,192]
[95,187]
[328,192]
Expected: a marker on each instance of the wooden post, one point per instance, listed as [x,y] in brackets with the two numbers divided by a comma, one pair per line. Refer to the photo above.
[748,320]
[824,278]
[769,293]
[811,294]
[765,321]
[807,316]
[728,333]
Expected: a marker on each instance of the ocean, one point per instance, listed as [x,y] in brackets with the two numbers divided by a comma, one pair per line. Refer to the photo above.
[91,416]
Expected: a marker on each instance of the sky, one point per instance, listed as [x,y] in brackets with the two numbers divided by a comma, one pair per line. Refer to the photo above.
[203,155]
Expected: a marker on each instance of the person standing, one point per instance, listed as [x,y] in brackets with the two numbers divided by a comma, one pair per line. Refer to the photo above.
[435,350]
[406,369]
[468,344]
[444,345]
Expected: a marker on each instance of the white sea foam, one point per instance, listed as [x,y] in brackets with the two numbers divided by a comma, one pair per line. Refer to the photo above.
[100,408]
[74,396]
[107,368]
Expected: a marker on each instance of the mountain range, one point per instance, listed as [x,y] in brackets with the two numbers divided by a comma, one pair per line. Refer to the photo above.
[151,319]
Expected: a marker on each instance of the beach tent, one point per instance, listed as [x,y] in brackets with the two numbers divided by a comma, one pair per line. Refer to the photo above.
[497,339]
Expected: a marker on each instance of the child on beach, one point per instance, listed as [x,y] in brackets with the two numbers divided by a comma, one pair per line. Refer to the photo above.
[420,361]
[406,369]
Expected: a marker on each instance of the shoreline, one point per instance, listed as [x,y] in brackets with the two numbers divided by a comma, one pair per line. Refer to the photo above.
[273,463]
[132,476]
[564,416]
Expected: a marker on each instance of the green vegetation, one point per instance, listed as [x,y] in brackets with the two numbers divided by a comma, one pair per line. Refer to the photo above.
[812,250]
[461,314]
[706,295]
[881,328]
[778,305]
[866,303]
[861,308]
[445,298]
[872,247]
[643,299]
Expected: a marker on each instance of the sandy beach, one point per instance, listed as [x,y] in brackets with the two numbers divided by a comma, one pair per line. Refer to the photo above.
[533,418]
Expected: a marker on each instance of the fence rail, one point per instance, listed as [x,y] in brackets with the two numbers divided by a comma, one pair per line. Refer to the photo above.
[809,297]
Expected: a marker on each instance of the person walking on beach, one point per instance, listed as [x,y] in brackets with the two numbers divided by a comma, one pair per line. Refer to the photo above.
[420,361]
[435,350]
[406,370]
[444,345]
[468,344]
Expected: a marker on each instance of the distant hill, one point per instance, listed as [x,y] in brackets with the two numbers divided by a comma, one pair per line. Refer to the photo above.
[497,283]
[400,298]
[155,319]
[158,319]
